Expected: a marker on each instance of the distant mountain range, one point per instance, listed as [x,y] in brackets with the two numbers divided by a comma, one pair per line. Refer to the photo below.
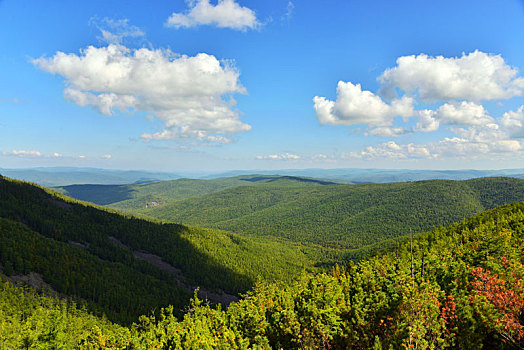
[63,176]
[356,175]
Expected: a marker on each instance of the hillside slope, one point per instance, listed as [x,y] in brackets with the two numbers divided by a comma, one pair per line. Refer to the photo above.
[459,287]
[347,216]
[128,266]
[139,196]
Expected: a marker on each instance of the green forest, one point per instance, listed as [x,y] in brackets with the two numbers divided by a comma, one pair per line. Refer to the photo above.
[341,216]
[459,287]
[91,253]
[136,196]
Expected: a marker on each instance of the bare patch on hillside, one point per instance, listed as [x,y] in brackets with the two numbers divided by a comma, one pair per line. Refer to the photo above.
[32,279]
[155,260]
[59,203]
[79,245]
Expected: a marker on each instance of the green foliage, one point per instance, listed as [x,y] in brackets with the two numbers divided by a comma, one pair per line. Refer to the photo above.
[81,251]
[465,291]
[107,286]
[32,321]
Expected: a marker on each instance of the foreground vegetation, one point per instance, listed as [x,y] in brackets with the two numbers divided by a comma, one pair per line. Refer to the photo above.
[459,287]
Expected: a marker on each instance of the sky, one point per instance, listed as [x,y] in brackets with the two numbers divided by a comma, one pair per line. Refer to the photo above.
[206,85]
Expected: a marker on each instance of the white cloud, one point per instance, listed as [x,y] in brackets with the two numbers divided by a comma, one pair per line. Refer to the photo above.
[191,95]
[426,121]
[107,156]
[105,103]
[24,153]
[282,156]
[320,156]
[289,11]
[468,148]
[475,76]
[115,31]
[392,150]
[513,123]
[225,14]
[386,131]
[57,155]
[457,84]
[471,142]
[219,139]
[357,106]
[463,113]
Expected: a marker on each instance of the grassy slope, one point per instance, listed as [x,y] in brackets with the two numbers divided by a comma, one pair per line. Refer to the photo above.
[348,216]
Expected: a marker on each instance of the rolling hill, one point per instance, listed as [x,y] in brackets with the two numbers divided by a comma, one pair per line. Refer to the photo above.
[124,266]
[137,196]
[453,288]
[339,216]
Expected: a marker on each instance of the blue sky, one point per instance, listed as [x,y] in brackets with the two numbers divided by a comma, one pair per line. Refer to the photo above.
[243,84]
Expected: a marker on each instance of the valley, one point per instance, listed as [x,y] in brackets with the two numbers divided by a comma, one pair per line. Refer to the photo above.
[311,211]
[95,261]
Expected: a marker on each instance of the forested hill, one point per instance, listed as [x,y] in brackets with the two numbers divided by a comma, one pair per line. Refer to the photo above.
[459,287]
[137,196]
[123,266]
[348,216]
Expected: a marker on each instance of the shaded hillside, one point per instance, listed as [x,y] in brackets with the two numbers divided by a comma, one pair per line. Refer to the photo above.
[349,216]
[138,196]
[108,259]
[459,287]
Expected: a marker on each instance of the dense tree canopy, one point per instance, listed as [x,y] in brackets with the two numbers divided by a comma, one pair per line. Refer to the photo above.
[464,291]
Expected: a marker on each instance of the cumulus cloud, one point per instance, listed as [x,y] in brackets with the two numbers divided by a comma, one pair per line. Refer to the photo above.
[513,123]
[463,113]
[392,150]
[282,156]
[426,121]
[455,86]
[472,142]
[191,95]
[475,76]
[386,131]
[356,106]
[468,148]
[225,14]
